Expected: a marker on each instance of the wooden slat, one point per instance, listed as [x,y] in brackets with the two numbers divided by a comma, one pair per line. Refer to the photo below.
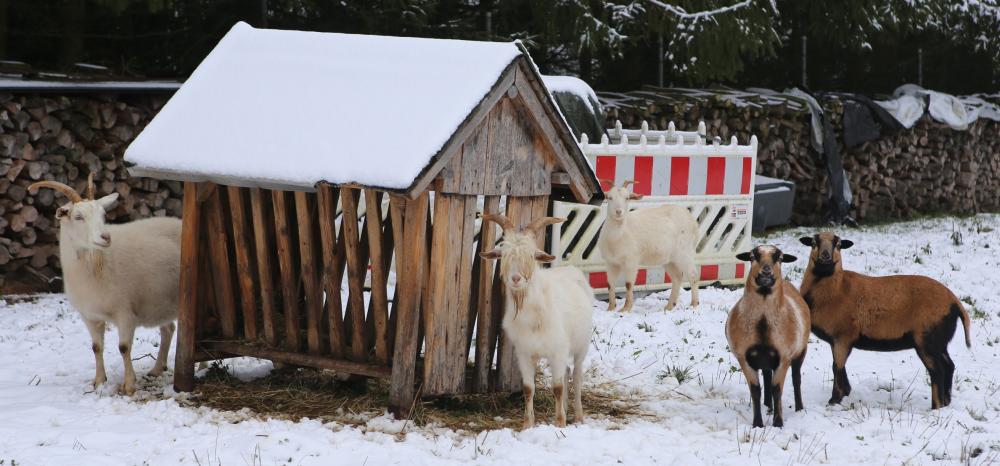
[333,266]
[299,359]
[396,215]
[263,240]
[222,271]
[486,330]
[410,270]
[309,270]
[242,243]
[445,353]
[380,274]
[356,271]
[187,317]
[286,265]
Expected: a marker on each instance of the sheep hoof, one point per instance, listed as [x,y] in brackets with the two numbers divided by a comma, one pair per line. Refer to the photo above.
[669,307]
[527,424]
[834,400]
[611,307]
[560,422]
[127,389]
[694,303]
[98,381]
[778,423]
[156,371]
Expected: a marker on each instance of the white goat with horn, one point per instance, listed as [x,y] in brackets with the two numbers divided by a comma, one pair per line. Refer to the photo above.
[549,313]
[665,235]
[124,274]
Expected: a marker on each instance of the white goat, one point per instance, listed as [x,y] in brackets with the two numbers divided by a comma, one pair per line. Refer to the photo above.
[658,236]
[549,314]
[124,274]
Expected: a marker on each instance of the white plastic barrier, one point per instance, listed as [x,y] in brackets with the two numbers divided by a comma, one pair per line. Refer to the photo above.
[714,181]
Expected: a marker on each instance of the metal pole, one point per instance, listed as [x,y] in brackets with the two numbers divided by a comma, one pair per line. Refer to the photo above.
[920,66]
[805,80]
[659,75]
[489,24]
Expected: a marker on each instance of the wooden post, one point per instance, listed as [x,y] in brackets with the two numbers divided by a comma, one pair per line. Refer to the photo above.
[486,330]
[309,270]
[410,268]
[242,243]
[356,271]
[187,317]
[286,264]
[380,273]
[265,266]
[222,272]
[333,266]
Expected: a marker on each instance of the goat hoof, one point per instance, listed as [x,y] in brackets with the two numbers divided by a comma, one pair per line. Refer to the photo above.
[127,389]
[835,400]
[560,423]
[527,424]
[695,303]
[758,423]
[669,307]
[778,423]
[98,381]
[155,372]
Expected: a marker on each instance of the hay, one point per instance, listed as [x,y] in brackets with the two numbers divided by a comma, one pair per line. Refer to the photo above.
[295,394]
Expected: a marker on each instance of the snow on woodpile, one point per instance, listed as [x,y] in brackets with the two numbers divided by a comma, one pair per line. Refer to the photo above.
[292,108]
[575,86]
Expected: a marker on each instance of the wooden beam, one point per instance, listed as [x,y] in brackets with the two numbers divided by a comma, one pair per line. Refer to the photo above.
[286,265]
[242,243]
[356,272]
[380,274]
[298,359]
[333,266]
[263,240]
[188,302]
[410,273]
[486,329]
[222,271]
[309,270]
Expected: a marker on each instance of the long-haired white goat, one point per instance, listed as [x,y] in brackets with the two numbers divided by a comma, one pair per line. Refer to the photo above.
[664,235]
[123,274]
[549,314]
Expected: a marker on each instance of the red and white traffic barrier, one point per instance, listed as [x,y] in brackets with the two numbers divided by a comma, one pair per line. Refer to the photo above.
[714,181]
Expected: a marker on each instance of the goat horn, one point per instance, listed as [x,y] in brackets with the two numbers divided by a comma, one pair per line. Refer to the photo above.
[90,186]
[539,224]
[61,187]
[605,180]
[628,182]
[501,220]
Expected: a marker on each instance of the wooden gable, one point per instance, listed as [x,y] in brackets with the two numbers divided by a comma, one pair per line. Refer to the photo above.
[514,143]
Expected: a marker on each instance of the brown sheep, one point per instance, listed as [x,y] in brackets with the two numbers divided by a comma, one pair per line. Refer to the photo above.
[892,313]
[768,331]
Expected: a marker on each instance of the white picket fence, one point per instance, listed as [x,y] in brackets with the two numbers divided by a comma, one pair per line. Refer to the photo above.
[714,181]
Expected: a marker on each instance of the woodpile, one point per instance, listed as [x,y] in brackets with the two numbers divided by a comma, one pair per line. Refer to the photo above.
[65,138]
[929,168]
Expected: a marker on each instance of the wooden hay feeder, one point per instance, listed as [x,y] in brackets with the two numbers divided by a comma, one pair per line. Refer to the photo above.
[271,229]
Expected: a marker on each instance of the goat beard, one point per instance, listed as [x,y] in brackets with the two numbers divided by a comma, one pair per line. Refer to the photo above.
[518,301]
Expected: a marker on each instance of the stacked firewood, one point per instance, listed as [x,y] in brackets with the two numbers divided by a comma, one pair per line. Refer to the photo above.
[929,168]
[65,138]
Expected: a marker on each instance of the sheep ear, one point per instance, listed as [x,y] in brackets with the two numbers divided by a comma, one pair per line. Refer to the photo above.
[491,254]
[542,256]
[634,196]
[788,258]
[744,256]
[806,240]
[62,212]
[846,244]
[107,201]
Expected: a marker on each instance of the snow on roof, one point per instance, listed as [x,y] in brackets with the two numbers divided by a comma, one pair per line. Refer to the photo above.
[572,85]
[291,108]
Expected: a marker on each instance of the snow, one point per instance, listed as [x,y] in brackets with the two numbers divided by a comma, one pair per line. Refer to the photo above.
[292,108]
[572,85]
[50,415]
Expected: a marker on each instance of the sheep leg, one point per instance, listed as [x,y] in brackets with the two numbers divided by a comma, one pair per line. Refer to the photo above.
[96,329]
[577,387]
[126,332]
[676,282]
[776,388]
[797,379]
[628,296]
[166,335]
[754,382]
[691,276]
[767,389]
[558,368]
[613,273]
[527,366]
[841,385]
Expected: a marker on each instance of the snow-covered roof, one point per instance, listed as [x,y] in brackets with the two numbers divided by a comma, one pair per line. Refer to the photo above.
[290,109]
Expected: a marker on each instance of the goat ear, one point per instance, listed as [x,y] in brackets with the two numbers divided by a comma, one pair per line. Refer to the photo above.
[634,196]
[806,240]
[491,254]
[542,256]
[744,256]
[62,212]
[107,201]
[846,244]
[788,258]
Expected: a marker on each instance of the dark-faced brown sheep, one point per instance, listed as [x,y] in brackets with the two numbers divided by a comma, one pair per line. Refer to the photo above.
[768,331]
[850,310]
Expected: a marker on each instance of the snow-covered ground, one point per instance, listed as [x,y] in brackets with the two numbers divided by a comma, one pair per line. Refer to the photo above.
[677,362]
